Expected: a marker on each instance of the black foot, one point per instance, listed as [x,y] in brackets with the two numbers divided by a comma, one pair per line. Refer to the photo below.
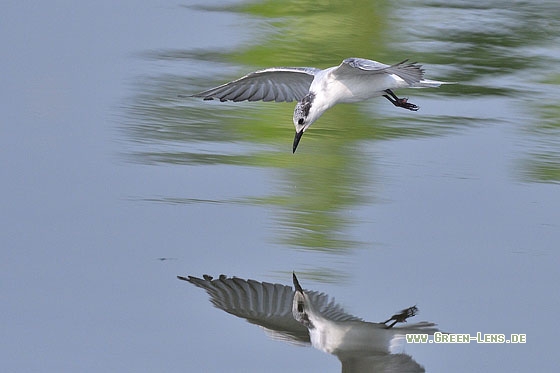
[401,316]
[400,102]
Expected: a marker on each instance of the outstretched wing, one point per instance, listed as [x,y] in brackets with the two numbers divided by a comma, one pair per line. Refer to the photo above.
[375,363]
[411,73]
[274,84]
[261,303]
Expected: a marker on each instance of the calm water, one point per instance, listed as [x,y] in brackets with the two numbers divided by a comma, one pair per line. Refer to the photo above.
[454,207]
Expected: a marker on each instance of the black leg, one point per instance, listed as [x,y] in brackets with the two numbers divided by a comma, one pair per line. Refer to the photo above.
[401,316]
[400,102]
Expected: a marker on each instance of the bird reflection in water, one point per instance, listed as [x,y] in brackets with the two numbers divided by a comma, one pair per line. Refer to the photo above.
[306,317]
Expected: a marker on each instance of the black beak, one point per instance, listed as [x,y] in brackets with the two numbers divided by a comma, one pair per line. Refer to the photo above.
[296,283]
[296,139]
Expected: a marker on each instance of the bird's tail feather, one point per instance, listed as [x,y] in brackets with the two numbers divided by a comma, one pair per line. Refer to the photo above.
[427,83]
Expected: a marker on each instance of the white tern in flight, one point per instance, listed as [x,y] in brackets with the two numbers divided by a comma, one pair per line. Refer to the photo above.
[316,90]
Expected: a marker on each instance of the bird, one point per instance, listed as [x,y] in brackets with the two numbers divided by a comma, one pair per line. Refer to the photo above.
[307,317]
[361,346]
[317,90]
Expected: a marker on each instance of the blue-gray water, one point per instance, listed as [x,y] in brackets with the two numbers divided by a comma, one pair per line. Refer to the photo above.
[104,169]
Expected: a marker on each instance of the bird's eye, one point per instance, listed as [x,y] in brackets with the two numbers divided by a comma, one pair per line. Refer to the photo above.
[300,121]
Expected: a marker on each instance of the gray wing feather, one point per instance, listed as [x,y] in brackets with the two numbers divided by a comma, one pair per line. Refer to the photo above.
[411,73]
[274,84]
[329,308]
[261,303]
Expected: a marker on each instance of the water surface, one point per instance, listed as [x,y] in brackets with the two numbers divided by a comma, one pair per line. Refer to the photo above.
[454,207]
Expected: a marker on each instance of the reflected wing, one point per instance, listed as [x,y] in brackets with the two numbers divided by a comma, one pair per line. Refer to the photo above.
[412,73]
[328,308]
[385,363]
[274,84]
[261,303]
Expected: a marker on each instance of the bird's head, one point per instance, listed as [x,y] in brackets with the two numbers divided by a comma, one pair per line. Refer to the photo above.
[302,117]
[301,307]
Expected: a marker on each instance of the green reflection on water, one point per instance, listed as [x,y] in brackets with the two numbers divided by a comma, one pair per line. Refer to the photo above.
[543,163]
[328,176]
